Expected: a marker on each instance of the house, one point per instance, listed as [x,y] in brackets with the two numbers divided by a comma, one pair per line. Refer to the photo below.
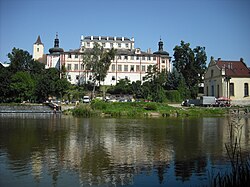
[229,79]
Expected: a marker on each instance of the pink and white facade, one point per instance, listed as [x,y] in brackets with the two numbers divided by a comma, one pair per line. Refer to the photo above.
[129,63]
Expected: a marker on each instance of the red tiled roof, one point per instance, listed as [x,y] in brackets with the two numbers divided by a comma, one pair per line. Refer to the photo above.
[234,68]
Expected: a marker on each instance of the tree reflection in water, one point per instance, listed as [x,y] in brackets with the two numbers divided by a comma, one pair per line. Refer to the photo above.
[112,151]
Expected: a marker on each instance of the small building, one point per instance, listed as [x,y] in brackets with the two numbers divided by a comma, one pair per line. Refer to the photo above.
[229,79]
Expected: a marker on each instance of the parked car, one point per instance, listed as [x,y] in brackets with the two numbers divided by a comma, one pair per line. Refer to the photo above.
[86,99]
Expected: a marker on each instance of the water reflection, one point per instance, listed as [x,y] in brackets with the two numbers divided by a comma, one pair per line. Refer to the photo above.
[62,151]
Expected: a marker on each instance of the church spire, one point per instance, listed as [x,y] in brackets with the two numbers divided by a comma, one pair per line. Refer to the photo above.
[38,41]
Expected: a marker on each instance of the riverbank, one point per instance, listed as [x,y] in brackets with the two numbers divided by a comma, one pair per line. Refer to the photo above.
[142,109]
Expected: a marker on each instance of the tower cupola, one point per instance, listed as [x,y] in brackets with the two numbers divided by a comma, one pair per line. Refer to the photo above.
[56,49]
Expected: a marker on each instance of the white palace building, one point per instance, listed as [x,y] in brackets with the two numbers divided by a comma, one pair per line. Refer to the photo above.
[130,63]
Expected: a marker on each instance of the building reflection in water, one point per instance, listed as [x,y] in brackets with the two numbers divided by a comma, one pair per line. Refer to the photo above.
[115,151]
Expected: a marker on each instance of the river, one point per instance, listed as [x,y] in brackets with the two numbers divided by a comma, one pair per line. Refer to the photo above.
[58,150]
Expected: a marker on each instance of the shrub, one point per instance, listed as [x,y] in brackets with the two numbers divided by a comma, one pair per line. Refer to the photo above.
[173,96]
[98,104]
[151,106]
[83,111]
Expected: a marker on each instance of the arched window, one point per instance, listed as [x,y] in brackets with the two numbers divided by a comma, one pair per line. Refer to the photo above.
[246,90]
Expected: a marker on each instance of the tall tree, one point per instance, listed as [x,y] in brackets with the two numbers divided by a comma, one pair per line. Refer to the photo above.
[22,86]
[153,86]
[98,61]
[191,64]
[20,60]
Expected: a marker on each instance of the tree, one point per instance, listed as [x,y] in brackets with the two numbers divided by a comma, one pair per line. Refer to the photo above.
[122,87]
[22,86]
[20,61]
[153,86]
[191,64]
[98,61]
[4,84]
[46,84]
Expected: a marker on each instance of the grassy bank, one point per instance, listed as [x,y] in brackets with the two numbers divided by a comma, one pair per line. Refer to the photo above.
[141,109]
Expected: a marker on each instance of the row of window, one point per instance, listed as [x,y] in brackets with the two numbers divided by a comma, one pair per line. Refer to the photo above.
[231,90]
[119,57]
[127,68]
[120,67]
[111,45]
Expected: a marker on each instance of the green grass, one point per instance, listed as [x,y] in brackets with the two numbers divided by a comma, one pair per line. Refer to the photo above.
[140,109]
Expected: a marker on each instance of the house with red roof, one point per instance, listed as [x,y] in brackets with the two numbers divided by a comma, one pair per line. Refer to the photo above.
[230,79]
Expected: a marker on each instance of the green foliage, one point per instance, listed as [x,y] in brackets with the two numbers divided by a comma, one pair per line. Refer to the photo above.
[173,96]
[83,111]
[98,104]
[26,79]
[191,64]
[151,106]
[98,61]
[122,87]
[4,84]
[152,88]
[22,86]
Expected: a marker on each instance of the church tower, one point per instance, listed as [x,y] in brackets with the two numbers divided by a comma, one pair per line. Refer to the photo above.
[38,49]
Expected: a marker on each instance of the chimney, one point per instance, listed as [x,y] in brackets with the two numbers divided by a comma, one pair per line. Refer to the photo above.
[241,60]
[219,59]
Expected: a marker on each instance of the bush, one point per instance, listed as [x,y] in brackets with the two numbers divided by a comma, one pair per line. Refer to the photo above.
[97,104]
[151,106]
[83,111]
[173,96]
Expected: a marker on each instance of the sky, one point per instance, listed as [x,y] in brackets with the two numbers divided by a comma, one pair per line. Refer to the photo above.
[221,26]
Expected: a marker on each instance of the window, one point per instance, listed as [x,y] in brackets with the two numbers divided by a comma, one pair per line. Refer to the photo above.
[113,67]
[69,67]
[88,44]
[103,45]
[125,67]
[77,77]
[137,68]
[231,89]
[132,58]
[125,57]
[111,45]
[218,90]
[212,73]
[163,61]
[69,55]
[76,67]
[137,57]
[69,77]
[76,56]
[212,90]
[119,57]
[246,90]
[143,58]
[82,66]
[113,78]
[126,45]
[119,45]
[143,68]
[149,58]
[37,49]
[154,58]
[119,67]
[132,68]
